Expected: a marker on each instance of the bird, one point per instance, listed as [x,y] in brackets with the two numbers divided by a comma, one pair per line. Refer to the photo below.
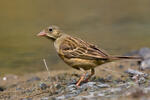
[77,53]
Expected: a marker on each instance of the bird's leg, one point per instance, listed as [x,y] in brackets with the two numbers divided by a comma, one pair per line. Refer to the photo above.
[92,73]
[82,77]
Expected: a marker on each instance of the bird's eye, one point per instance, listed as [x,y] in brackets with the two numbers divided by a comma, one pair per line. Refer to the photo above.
[50,29]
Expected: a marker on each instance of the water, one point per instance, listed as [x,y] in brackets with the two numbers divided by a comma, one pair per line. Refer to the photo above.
[117,26]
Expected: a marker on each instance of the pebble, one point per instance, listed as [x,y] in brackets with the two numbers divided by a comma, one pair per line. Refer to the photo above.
[1,89]
[28,91]
[73,81]
[58,86]
[145,53]
[34,79]
[114,90]
[26,99]
[45,98]
[90,84]
[48,98]
[103,85]
[133,72]
[132,53]
[42,86]
[74,91]
[4,78]
[71,87]
[145,64]
[121,66]
[141,80]
[19,88]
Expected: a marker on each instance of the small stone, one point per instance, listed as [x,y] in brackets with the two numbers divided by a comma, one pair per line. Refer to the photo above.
[132,64]
[1,89]
[145,64]
[141,80]
[73,81]
[101,94]
[102,80]
[132,53]
[18,88]
[34,79]
[103,85]
[90,84]
[45,98]
[29,91]
[71,87]
[58,86]
[4,78]
[115,90]
[62,97]
[133,72]
[72,94]
[48,98]
[145,53]
[121,66]
[42,86]
[26,99]
[109,78]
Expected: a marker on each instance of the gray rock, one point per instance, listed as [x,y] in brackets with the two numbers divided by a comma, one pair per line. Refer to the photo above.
[19,88]
[113,90]
[145,53]
[141,80]
[121,66]
[1,89]
[69,95]
[71,87]
[103,85]
[83,87]
[73,93]
[48,98]
[34,79]
[60,97]
[26,99]
[45,98]
[73,81]
[137,75]
[91,84]
[42,86]
[133,72]
[132,53]
[145,64]
[58,86]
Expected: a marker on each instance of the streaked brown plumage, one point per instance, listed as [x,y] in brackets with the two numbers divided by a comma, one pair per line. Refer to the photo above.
[77,53]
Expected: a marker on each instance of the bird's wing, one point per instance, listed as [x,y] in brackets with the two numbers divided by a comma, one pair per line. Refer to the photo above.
[77,48]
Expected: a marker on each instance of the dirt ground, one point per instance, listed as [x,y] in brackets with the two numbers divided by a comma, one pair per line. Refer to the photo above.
[110,82]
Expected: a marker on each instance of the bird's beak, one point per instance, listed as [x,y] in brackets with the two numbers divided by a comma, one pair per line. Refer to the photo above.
[42,33]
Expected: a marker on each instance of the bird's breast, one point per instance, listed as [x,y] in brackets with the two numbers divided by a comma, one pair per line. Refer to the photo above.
[79,63]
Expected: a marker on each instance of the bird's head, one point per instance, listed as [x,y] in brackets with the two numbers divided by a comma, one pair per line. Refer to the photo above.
[52,32]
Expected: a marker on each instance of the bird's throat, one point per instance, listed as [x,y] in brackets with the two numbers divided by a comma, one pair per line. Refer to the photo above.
[52,39]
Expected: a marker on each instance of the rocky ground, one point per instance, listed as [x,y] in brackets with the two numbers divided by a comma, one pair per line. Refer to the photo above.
[120,80]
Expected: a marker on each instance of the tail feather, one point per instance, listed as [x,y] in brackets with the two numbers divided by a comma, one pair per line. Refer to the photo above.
[126,57]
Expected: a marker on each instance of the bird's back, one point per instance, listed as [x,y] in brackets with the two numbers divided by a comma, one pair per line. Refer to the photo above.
[72,47]
[78,53]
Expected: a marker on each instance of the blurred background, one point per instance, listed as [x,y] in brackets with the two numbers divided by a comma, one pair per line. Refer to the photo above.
[117,26]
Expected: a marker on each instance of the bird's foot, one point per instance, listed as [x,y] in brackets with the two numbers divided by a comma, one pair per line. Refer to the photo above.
[84,79]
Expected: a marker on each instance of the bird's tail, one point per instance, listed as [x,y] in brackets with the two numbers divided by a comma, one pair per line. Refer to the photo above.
[137,58]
